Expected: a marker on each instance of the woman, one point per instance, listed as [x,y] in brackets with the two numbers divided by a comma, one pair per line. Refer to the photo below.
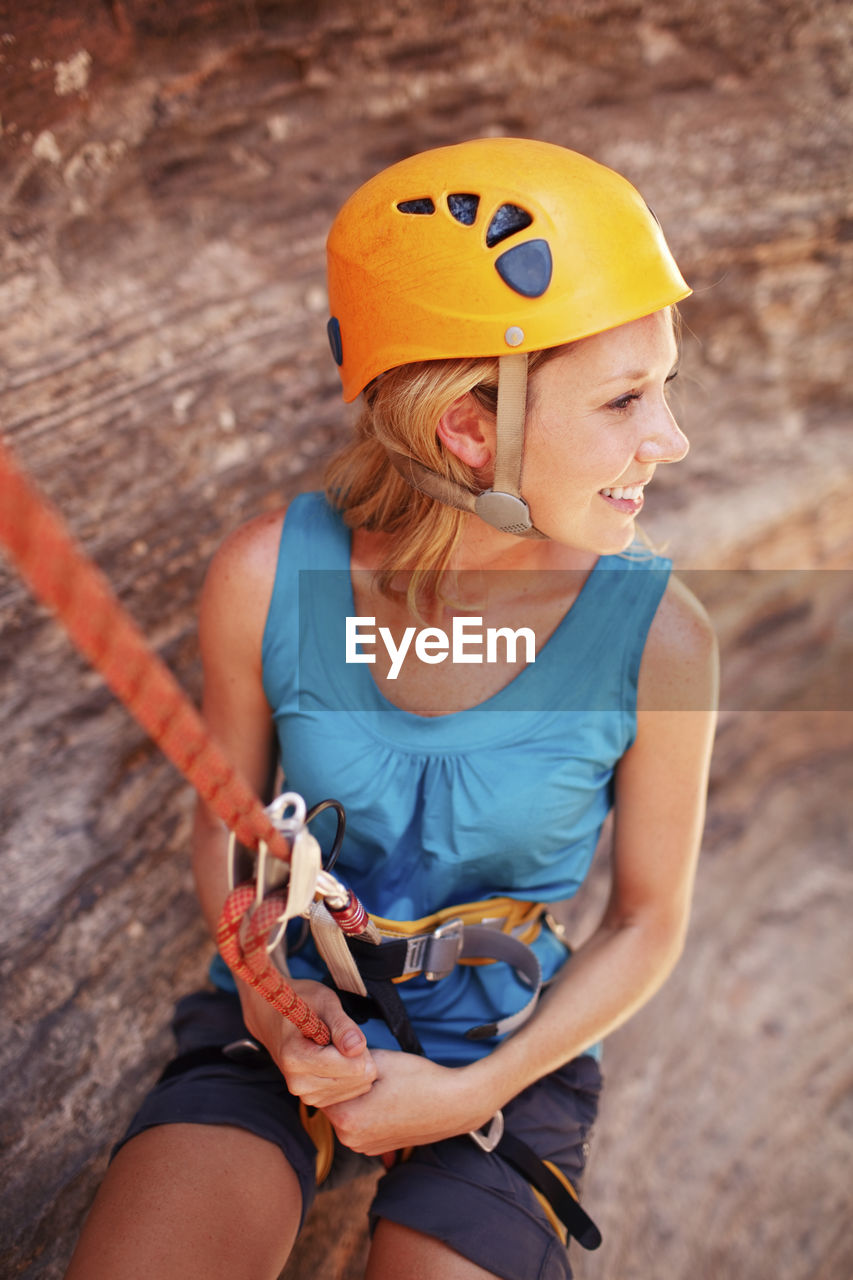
[507,309]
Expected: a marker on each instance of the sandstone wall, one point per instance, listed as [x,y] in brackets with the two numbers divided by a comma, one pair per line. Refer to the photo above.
[168,175]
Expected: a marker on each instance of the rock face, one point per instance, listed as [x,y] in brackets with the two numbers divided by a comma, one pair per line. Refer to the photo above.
[168,176]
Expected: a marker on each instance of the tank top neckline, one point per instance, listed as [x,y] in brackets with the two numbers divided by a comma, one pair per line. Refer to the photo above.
[371,698]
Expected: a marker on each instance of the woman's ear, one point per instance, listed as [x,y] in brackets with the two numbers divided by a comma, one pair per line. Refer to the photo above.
[467,433]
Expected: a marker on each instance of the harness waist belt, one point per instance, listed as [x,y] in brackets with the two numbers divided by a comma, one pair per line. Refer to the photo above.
[436,954]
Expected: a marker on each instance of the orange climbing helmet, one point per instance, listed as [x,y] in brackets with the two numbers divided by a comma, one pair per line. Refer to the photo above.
[489,247]
[496,247]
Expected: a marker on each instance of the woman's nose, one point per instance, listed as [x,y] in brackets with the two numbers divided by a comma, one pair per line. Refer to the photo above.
[663,441]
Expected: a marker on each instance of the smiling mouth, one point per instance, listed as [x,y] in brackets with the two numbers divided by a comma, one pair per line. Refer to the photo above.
[627,498]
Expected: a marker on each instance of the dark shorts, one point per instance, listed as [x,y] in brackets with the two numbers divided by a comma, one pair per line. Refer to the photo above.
[472,1201]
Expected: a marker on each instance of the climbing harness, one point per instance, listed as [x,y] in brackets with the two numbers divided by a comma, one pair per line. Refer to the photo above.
[367,956]
[366,976]
[497,929]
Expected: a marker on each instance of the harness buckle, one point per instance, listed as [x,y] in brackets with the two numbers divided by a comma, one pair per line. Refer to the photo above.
[247,1052]
[436,954]
[488,1138]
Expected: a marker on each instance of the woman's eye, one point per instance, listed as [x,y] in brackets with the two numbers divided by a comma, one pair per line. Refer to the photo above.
[624,402]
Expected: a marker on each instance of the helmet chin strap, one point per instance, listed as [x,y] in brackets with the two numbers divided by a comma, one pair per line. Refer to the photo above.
[502,506]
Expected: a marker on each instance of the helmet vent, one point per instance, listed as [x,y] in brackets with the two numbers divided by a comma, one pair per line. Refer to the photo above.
[423,205]
[464,208]
[508,219]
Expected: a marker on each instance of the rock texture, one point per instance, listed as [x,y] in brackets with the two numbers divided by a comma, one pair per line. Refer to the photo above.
[168,175]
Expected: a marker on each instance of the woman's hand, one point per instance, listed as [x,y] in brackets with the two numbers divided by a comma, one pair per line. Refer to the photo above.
[336,1073]
[412,1101]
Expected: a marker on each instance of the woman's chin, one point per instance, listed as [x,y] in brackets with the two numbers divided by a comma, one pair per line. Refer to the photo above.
[600,542]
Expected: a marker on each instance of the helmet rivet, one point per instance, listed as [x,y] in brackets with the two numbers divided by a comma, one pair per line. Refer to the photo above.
[514,336]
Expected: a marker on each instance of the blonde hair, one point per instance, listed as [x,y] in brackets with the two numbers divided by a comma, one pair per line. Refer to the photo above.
[401,411]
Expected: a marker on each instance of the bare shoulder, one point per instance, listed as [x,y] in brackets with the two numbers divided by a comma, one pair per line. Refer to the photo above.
[238,587]
[680,662]
[248,556]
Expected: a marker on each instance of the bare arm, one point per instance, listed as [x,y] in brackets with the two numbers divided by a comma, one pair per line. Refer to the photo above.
[659,811]
[234,607]
[661,784]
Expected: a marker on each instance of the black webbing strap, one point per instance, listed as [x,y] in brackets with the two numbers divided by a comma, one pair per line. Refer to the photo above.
[382,1001]
[383,992]
[522,1158]
[241,1052]
[386,961]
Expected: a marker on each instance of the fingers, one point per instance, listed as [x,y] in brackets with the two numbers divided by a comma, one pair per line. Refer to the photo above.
[322,1077]
[347,1036]
[339,1072]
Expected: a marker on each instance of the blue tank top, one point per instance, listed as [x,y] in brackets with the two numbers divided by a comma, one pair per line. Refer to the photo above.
[504,799]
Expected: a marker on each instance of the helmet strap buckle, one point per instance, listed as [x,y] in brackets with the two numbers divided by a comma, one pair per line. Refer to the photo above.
[505,511]
[502,506]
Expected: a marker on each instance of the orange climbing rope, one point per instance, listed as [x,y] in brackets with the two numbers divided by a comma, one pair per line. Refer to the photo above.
[61,576]
[251,962]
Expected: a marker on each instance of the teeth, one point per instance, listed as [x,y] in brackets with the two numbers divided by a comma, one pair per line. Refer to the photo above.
[632,491]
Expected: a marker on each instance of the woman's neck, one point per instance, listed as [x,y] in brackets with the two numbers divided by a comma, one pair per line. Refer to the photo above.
[481,547]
